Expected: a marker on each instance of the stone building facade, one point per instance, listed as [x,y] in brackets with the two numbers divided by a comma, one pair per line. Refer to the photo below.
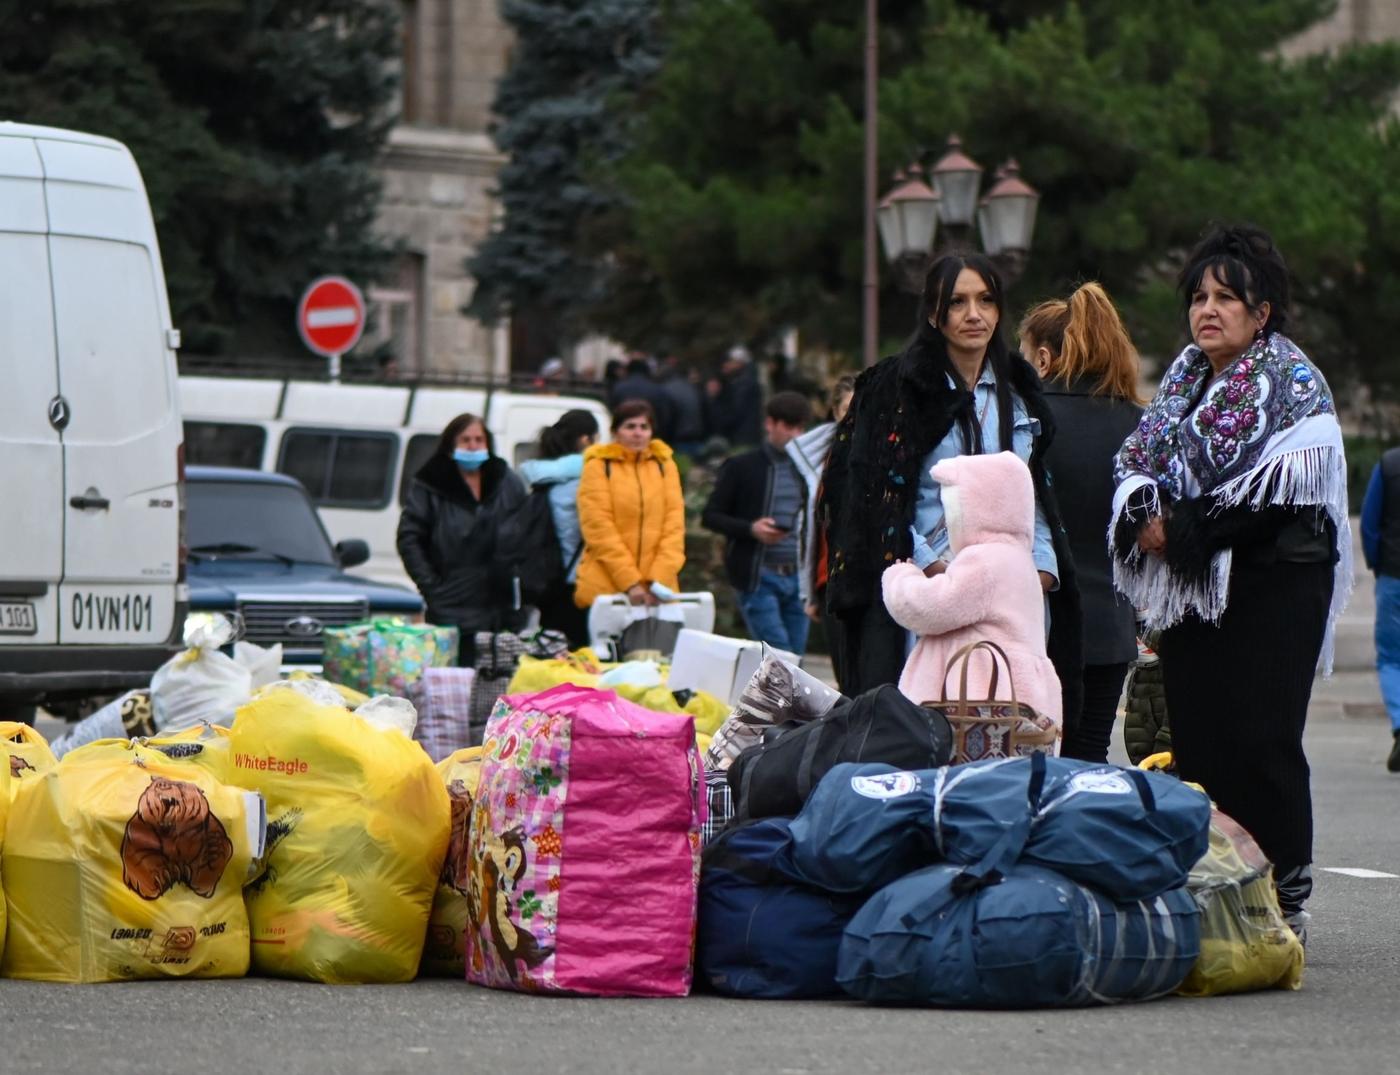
[438,171]
[1354,22]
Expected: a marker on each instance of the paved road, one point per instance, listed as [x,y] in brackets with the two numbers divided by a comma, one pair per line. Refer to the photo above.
[1343,1020]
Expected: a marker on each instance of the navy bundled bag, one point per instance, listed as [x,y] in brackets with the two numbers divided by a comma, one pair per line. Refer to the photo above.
[762,931]
[775,777]
[1030,938]
[1129,834]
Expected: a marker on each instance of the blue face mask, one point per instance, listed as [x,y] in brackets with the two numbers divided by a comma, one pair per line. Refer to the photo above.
[470,460]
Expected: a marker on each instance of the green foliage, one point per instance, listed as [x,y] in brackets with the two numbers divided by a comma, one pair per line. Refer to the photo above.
[571,59]
[1139,124]
[256,123]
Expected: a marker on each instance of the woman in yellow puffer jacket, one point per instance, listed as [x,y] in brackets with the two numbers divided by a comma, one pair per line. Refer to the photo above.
[630,511]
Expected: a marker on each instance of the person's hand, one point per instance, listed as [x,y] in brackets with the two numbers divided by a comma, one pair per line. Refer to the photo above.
[813,610]
[639,593]
[1152,538]
[1047,581]
[936,568]
[766,531]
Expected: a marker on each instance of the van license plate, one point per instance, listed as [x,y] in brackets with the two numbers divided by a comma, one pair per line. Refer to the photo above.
[17,618]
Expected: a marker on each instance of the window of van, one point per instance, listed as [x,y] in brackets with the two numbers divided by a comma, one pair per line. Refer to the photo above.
[340,468]
[420,449]
[224,444]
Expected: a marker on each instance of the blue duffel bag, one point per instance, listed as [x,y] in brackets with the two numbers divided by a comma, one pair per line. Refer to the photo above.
[762,931]
[970,937]
[1130,834]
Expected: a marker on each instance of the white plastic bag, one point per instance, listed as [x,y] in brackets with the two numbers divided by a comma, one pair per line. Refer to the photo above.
[200,684]
[264,665]
[390,712]
[123,718]
[642,674]
[318,690]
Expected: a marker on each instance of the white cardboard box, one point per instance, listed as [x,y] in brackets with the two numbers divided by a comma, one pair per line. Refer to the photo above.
[722,666]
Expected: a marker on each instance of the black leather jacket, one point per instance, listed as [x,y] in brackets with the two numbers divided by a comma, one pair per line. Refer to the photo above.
[447,541]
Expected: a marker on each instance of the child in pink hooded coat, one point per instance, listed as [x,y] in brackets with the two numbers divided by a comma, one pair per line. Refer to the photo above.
[991,591]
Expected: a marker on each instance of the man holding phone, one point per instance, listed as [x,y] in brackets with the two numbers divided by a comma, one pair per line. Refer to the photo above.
[758,505]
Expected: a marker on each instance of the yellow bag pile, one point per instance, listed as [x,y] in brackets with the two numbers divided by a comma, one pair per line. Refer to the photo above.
[128,867]
[29,753]
[358,822]
[582,669]
[1245,943]
[442,953]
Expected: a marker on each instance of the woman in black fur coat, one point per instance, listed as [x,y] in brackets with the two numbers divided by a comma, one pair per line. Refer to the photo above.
[955,389]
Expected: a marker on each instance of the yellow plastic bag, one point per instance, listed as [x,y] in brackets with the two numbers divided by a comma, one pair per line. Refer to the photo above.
[1245,943]
[4,813]
[29,753]
[533,675]
[122,868]
[358,821]
[442,952]
[709,712]
[207,746]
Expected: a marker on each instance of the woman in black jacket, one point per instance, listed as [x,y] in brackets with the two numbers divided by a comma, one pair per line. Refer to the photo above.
[447,532]
[955,389]
[1090,368]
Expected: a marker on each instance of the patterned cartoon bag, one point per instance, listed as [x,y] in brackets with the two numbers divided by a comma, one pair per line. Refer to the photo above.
[587,817]
[442,951]
[993,727]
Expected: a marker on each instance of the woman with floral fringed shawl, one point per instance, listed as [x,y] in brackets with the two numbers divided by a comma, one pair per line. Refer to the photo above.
[1230,531]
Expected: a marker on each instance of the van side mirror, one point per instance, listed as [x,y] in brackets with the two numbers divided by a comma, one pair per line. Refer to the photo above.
[351,552]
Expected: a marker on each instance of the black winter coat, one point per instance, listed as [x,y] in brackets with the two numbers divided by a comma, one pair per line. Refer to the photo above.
[902,409]
[1089,431]
[739,498]
[447,542]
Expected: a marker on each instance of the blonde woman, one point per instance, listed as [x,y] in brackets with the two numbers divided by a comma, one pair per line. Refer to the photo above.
[1090,369]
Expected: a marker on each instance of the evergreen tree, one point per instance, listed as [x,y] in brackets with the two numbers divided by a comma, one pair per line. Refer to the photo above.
[571,59]
[1139,123]
[256,124]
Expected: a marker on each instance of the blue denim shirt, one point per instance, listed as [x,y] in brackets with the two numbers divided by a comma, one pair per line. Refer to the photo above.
[930,532]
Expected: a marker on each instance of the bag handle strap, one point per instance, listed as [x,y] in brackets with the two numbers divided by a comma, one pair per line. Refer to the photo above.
[999,657]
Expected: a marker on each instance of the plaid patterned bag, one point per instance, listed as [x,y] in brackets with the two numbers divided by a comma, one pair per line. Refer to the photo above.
[720,800]
[498,654]
[443,698]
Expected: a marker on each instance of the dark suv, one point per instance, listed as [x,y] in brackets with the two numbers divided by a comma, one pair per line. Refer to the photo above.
[257,548]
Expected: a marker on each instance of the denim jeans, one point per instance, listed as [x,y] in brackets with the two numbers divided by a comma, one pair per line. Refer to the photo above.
[1388,644]
[774,614]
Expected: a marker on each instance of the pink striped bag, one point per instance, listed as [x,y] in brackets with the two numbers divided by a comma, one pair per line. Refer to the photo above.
[585,847]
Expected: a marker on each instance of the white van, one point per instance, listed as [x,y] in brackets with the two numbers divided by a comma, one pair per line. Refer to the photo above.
[355,447]
[91,571]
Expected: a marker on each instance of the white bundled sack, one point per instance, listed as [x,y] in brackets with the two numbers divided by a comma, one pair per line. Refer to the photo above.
[201,684]
[264,664]
[389,712]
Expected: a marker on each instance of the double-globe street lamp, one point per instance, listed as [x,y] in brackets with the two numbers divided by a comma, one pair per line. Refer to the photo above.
[910,214]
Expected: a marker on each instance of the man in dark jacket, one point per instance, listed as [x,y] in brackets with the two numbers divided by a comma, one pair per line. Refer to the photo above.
[758,504]
[736,407]
[1380,543]
[638,384]
[687,408]
[447,535]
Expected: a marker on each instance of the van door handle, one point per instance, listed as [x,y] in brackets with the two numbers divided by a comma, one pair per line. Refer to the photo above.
[83,503]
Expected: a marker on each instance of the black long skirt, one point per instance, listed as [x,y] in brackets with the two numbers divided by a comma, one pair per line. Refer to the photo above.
[1237,699]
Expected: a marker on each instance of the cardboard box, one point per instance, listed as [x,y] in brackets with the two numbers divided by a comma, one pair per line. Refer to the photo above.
[722,666]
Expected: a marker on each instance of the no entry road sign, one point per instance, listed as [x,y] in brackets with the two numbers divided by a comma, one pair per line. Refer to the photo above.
[331,316]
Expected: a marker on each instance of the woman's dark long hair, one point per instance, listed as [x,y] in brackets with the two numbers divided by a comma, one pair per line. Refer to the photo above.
[447,441]
[563,436]
[928,348]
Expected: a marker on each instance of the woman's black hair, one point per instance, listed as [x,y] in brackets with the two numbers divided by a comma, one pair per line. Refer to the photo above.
[447,442]
[928,343]
[1245,259]
[563,436]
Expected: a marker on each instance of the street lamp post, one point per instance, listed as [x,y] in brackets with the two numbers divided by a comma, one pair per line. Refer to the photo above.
[909,215]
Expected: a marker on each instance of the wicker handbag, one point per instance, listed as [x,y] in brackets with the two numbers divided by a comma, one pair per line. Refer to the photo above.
[992,727]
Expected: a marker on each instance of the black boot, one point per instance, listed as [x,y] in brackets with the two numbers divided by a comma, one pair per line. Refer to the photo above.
[1393,762]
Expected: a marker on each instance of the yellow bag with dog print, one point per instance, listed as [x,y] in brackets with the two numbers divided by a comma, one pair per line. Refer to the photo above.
[124,868]
[358,820]
[29,753]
